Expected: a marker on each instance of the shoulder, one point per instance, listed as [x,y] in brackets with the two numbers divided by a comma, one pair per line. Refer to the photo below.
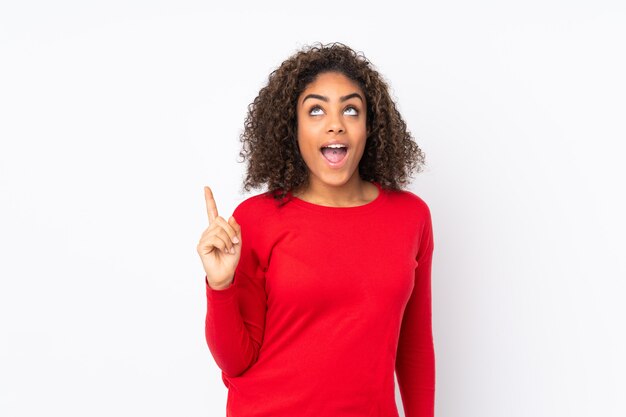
[409,201]
[260,222]
[255,207]
[416,212]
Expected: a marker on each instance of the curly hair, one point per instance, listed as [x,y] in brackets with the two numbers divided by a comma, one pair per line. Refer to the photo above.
[270,136]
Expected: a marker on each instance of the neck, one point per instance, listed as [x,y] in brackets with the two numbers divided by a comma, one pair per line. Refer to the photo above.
[355,192]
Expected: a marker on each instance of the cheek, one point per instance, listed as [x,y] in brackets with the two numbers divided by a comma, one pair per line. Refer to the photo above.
[359,155]
[307,136]
[306,145]
[360,150]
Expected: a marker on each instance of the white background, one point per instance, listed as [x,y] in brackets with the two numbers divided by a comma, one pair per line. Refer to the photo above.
[114,115]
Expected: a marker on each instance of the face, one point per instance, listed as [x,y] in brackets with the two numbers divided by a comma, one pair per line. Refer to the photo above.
[332,110]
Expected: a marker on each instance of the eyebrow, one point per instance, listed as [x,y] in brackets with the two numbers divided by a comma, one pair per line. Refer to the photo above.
[324,98]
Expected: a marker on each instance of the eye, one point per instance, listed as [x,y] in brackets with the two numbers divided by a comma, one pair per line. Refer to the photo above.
[356,112]
[314,108]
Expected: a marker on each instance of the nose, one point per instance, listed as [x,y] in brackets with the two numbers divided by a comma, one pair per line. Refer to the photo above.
[335,124]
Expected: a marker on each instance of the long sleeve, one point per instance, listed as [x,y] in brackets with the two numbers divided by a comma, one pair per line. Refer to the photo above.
[415,361]
[235,317]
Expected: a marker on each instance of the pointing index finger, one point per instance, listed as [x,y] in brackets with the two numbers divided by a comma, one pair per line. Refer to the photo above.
[211,207]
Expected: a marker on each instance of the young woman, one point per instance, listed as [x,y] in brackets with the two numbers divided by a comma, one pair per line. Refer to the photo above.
[320,288]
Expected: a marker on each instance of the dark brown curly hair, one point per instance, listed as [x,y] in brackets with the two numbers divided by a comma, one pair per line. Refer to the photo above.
[270,136]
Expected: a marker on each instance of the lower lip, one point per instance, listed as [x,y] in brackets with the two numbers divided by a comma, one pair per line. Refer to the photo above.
[336,165]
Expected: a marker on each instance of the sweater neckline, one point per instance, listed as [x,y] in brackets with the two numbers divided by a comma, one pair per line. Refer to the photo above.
[342,210]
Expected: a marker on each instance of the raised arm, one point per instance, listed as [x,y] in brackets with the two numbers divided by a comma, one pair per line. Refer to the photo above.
[235,291]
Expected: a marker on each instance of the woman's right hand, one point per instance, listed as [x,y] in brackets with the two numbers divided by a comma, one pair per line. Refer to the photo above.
[220,246]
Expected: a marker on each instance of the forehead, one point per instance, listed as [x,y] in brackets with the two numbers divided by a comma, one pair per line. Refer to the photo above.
[332,84]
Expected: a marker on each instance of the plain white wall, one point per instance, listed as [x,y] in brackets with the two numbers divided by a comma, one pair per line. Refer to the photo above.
[113,116]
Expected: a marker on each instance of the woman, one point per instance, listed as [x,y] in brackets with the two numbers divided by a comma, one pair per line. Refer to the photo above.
[318,289]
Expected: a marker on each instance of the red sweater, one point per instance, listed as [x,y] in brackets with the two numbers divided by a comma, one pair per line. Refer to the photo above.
[325,304]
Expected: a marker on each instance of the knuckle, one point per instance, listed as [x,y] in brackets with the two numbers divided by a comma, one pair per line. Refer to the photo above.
[225,225]
[225,235]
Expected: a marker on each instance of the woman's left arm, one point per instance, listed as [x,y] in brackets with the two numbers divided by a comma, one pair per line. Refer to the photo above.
[415,361]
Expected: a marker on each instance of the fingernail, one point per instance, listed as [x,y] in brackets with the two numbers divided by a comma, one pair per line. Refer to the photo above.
[235,239]
[232,250]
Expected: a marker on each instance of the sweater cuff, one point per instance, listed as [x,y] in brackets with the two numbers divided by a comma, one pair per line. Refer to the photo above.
[219,295]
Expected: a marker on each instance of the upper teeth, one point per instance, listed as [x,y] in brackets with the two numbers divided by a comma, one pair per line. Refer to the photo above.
[335,145]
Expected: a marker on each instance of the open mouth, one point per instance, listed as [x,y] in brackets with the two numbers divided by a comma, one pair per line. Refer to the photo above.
[334,154]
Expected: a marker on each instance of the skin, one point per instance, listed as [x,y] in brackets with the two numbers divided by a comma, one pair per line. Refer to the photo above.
[322,120]
[219,246]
